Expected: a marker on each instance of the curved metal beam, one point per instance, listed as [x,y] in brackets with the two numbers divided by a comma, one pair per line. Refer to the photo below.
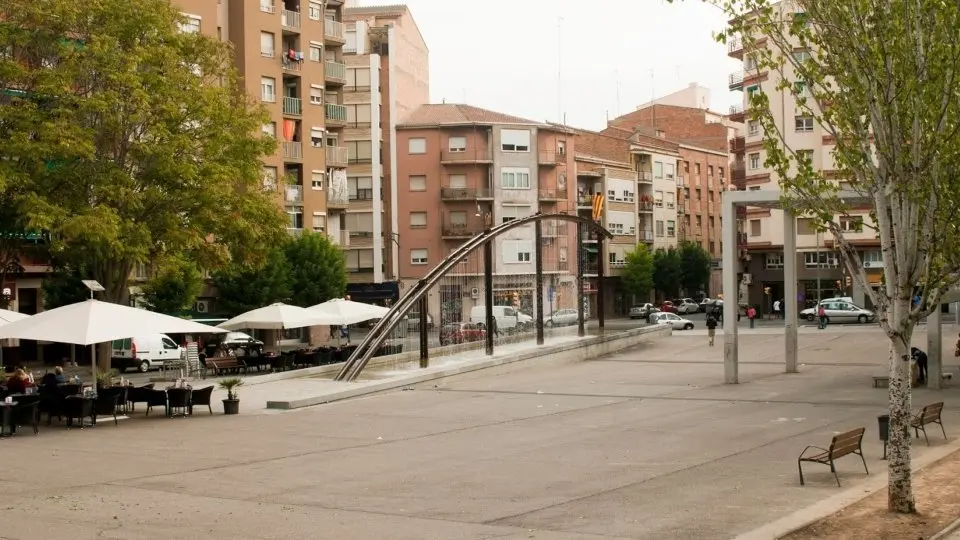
[365,350]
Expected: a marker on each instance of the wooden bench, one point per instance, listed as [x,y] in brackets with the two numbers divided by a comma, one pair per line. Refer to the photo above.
[928,415]
[224,364]
[841,445]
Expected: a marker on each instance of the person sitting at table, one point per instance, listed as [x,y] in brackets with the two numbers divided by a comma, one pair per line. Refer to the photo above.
[53,379]
[18,382]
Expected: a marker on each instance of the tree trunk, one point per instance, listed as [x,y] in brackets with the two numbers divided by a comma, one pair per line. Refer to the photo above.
[116,291]
[900,480]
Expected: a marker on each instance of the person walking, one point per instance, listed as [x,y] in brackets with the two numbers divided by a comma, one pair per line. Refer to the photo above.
[711,327]
[822,315]
[776,309]
[920,358]
[752,315]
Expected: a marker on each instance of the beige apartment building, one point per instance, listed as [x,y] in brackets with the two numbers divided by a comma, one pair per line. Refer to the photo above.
[761,233]
[461,169]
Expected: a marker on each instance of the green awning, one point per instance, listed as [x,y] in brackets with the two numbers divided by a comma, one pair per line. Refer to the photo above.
[590,248]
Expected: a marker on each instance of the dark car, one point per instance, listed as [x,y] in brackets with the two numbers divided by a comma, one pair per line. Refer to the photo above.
[668,307]
[455,333]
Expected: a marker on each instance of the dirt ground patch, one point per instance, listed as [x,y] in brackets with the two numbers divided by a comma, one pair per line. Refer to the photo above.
[938,504]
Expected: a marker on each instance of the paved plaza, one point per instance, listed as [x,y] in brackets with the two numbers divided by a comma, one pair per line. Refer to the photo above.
[646,444]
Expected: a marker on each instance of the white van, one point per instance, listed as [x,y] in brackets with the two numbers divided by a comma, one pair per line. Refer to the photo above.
[145,352]
[507,318]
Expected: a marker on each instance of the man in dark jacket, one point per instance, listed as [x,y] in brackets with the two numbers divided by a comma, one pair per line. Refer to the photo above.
[711,327]
[920,358]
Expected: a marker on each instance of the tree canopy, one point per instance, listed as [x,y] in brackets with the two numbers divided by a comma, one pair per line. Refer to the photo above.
[318,271]
[637,275]
[128,139]
[174,287]
[694,267]
[666,271]
[241,288]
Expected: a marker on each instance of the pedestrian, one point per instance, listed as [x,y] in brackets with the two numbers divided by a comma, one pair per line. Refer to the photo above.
[711,327]
[920,358]
[776,309]
[822,315]
[751,314]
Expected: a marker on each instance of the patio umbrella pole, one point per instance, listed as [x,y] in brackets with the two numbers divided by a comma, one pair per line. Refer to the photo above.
[93,361]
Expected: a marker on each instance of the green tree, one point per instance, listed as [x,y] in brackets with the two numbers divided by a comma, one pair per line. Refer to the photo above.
[318,271]
[666,271]
[175,286]
[242,288]
[129,139]
[637,275]
[694,267]
[880,79]
[63,287]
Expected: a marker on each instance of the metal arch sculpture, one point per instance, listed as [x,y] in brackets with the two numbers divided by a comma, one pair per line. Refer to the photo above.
[365,350]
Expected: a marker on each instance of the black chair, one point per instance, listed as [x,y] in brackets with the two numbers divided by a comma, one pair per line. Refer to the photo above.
[77,408]
[52,402]
[202,396]
[138,394]
[154,398]
[178,401]
[70,389]
[107,403]
[27,411]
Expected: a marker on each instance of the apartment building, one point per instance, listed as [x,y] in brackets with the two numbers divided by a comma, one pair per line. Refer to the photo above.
[387,77]
[819,270]
[462,169]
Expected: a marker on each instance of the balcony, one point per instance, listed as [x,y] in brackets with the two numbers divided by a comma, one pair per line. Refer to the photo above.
[646,235]
[681,209]
[290,19]
[735,48]
[738,174]
[335,72]
[551,158]
[361,238]
[292,106]
[337,156]
[465,157]
[456,231]
[555,231]
[736,81]
[333,32]
[337,200]
[294,232]
[736,114]
[738,145]
[290,66]
[645,177]
[585,201]
[465,194]
[546,195]
[681,180]
[591,269]
[645,206]
[293,195]
[336,115]
[589,173]
[618,264]
[292,150]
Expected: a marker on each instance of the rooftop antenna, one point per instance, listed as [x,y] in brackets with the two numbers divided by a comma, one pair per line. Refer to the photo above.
[559,69]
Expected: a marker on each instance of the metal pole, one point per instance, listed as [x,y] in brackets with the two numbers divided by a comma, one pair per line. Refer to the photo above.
[424,343]
[538,265]
[819,294]
[581,260]
[488,292]
[601,307]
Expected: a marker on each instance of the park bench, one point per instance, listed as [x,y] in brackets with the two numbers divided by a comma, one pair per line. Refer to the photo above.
[224,364]
[928,415]
[841,445]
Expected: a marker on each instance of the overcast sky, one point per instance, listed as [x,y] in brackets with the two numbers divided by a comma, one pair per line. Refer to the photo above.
[502,54]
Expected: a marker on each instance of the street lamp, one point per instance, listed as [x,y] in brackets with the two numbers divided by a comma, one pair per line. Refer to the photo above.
[94,286]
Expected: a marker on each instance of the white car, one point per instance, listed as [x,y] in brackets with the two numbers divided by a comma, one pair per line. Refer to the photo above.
[678,322]
[840,312]
[686,306]
[563,317]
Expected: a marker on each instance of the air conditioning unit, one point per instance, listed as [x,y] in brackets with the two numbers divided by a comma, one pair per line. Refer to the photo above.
[202,306]
[873,264]
[748,279]
[475,293]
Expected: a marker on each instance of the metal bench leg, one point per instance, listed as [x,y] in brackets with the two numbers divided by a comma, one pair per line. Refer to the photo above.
[864,462]
[834,471]
[800,468]
[924,430]
[941,429]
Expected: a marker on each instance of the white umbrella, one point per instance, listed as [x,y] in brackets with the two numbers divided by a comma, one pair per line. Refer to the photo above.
[273,317]
[339,311]
[92,321]
[7,316]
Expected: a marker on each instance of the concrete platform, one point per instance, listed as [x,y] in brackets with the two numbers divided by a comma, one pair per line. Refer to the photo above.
[643,444]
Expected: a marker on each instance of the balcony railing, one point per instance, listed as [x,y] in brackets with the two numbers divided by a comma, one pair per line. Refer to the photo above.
[461,230]
[290,19]
[292,106]
[554,231]
[618,264]
[333,30]
[591,269]
[292,150]
[737,145]
[552,158]
[335,71]
[645,206]
[735,46]
[293,194]
[646,235]
[645,176]
[681,180]
[292,66]
[466,156]
[336,114]
[553,194]
[585,200]
[295,232]
[337,199]
[337,156]
[465,194]
[736,80]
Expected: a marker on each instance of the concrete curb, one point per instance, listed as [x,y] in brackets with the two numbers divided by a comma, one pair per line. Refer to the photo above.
[588,347]
[806,516]
[951,528]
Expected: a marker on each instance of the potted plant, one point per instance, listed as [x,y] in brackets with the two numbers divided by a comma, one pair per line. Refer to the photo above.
[105,378]
[231,405]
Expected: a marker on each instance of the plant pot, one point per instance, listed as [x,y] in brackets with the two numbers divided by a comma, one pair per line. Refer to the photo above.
[231,406]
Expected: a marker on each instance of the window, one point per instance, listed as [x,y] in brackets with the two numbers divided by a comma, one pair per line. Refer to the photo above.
[510,213]
[358,79]
[803,123]
[418,220]
[351,38]
[754,161]
[750,63]
[562,148]
[696,168]
[457,144]
[269,177]
[828,259]
[517,251]
[671,228]
[754,227]
[658,169]
[709,170]
[774,261]
[805,156]
[658,199]
[418,256]
[270,129]
[670,200]
[360,188]
[720,172]
[754,188]
[359,260]
[359,224]
[753,128]
[360,151]
[316,96]
[417,145]
[358,115]
[659,228]
[316,53]
[668,170]
[458,181]
[319,223]
[266,6]
[316,137]
[800,57]
[851,224]
[514,178]
[267,41]
[314,11]
[801,90]
[872,259]
[458,218]
[268,89]
[316,179]
[515,140]
[294,218]
[191,25]
[418,183]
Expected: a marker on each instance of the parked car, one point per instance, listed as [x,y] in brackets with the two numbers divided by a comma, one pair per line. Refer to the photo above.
[456,333]
[145,352]
[642,311]
[704,304]
[233,344]
[563,317]
[668,307]
[687,305]
[507,318]
[678,322]
[840,312]
[413,321]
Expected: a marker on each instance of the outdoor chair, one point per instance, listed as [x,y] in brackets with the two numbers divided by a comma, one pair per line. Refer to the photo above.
[52,402]
[107,403]
[70,389]
[178,401]
[27,411]
[202,396]
[138,394]
[154,398]
[78,408]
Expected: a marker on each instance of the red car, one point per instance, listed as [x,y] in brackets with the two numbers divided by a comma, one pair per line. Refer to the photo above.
[668,307]
[455,333]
